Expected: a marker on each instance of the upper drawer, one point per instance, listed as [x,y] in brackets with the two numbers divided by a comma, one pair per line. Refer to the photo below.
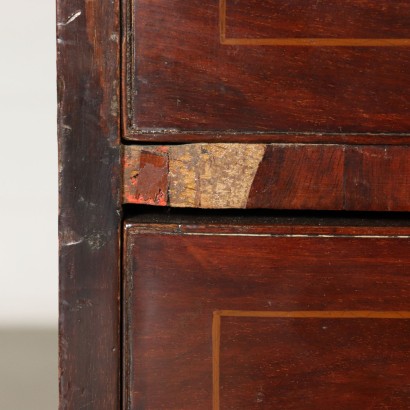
[251,70]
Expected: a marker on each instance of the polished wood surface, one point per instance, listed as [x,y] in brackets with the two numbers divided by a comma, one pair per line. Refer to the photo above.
[256,71]
[272,176]
[90,215]
[381,177]
[247,316]
[301,177]
[311,23]
[313,363]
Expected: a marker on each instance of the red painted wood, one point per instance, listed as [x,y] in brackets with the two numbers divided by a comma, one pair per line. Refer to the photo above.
[146,177]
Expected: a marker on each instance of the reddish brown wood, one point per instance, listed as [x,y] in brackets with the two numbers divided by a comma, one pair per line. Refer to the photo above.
[311,363]
[89,218]
[178,277]
[331,73]
[379,177]
[299,177]
[203,71]
[332,20]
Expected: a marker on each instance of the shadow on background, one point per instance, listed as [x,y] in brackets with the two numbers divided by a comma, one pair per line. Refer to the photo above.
[28,369]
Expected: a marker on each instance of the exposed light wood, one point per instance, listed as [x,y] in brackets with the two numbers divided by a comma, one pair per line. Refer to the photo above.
[213,175]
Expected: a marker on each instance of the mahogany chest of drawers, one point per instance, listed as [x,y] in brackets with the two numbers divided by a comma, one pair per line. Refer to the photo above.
[234,198]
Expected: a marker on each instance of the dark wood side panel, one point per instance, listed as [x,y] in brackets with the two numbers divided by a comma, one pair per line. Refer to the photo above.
[255,316]
[273,176]
[254,70]
[89,218]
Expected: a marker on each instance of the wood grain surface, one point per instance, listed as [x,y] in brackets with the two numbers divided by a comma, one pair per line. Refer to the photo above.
[239,316]
[90,213]
[364,168]
[311,23]
[273,176]
[269,71]
[314,363]
[323,108]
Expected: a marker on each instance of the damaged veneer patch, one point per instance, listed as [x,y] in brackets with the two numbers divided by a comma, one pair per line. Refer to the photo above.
[196,175]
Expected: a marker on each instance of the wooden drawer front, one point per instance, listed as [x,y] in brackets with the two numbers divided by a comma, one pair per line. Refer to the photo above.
[250,69]
[272,176]
[266,317]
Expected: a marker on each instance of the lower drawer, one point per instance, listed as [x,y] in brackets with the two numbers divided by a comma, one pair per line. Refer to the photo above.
[266,316]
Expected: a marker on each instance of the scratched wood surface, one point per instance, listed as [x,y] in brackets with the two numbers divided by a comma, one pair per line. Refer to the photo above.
[89,216]
[248,315]
[252,71]
[273,176]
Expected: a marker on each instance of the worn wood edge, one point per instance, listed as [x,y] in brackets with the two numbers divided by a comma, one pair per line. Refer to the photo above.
[267,229]
[89,216]
[127,65]
[180,136]
[238,176]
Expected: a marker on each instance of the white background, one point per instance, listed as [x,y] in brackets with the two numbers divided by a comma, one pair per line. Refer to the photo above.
[28,164]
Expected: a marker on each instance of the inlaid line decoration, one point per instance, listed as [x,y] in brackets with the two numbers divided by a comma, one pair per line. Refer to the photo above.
[219,314]
[312,42]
